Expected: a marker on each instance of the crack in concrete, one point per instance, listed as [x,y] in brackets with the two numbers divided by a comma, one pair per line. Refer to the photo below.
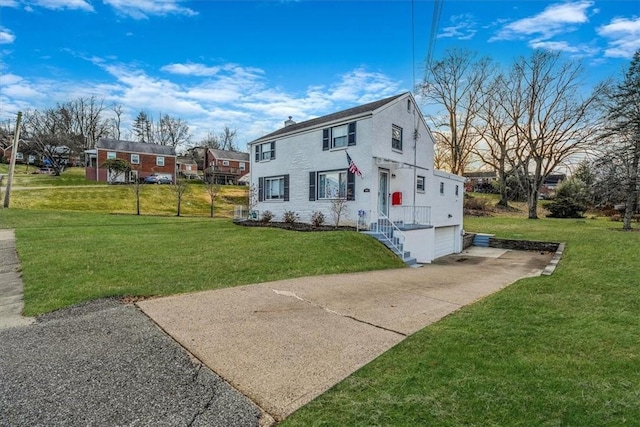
[293,295]
[207,404]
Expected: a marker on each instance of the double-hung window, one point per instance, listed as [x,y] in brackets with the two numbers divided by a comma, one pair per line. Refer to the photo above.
[135,159]
[396,138]
[274,188]
[332,185]
[159,161]
[339,136]
[111,155]
[420,184]
[265,152]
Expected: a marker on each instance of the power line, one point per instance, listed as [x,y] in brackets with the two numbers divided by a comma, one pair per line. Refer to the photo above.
[435,23]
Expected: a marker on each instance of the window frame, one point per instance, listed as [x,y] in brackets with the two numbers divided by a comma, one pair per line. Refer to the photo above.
[329,138]
[441,188]
[137,156]
[418,187]
[396,143]
[112,155]
[225,163]
[160,161]
[342,184]
[457,190]
[242,166]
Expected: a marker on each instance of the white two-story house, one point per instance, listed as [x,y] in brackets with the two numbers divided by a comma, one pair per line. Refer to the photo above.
[391,189]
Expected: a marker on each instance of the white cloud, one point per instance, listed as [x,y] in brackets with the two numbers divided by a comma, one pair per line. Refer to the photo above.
[191,69]
[6,36]
[8,3]
[64,4]
[142,9]
[623,35]
[463,27]
[555,19]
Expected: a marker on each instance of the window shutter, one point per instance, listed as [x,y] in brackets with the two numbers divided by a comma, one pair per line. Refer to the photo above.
[351,186]
[261,189]
[286,188]
[273,150]
[257,153]
[325,139]
[352,133]
[312,186]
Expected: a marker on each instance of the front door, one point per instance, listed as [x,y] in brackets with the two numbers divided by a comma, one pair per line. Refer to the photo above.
[383,192]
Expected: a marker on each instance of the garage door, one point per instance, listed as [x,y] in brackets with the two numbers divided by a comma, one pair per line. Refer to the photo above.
[445,241]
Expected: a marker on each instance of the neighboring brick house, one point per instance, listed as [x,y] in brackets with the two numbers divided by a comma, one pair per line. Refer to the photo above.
[480,181]
[187,167]
[145,159]
[225,167]
[376,162]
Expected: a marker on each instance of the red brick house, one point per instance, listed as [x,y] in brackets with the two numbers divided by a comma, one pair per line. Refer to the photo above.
[187,167]
[225,167]
[145,159]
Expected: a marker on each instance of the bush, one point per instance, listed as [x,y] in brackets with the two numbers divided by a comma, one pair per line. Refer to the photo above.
[476,203]
[317,219]
[290,217]
[570,201]
[267,216]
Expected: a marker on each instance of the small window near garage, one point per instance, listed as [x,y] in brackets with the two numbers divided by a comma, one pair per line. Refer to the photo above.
[396,138]
[420,184]
[457,190]
[442,188]
[242,166]
[159,161]
[111,155]
[135,159]
[225,163]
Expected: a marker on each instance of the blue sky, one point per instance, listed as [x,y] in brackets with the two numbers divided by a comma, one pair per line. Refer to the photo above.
[251,64]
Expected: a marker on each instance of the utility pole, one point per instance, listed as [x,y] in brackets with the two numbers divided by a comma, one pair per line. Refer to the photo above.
[12,165]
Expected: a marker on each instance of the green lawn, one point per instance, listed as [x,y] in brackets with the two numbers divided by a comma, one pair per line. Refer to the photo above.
[561,350]
[70,257]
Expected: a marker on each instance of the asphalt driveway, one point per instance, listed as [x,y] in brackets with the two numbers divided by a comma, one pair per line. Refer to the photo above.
[283,343]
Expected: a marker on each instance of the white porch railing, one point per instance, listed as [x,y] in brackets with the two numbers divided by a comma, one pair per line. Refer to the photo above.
[410,215]
[393,236]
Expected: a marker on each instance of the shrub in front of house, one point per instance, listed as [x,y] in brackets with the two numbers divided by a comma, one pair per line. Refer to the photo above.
[476,203]
[267,216]
[317,219]
[290,217]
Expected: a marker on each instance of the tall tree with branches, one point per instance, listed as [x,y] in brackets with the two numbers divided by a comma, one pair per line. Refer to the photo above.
[455,83]
[172,131]
[622,132]
[553,119]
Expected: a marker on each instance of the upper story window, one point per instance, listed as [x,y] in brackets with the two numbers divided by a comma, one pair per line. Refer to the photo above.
[135,159]
[265,152]
[111,155]
[442,188]
[457,190]
[159,161]
[225,163]
[339,136]
[420,184]
[396,137]
[241,166]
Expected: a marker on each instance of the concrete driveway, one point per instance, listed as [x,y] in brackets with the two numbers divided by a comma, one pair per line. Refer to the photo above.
[283,343]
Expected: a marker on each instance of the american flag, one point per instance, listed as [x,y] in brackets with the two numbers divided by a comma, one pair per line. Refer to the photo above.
[352,166]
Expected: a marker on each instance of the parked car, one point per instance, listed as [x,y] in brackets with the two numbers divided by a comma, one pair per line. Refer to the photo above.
[158,179]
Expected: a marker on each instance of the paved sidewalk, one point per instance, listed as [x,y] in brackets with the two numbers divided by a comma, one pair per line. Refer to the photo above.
[11,288]
[283,343]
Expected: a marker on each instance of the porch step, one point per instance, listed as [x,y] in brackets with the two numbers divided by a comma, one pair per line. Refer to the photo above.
[401,253]
[482,240]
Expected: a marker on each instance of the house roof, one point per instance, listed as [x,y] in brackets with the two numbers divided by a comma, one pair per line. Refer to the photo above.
[229,155]
[135,147]
[359,110]
[185,160]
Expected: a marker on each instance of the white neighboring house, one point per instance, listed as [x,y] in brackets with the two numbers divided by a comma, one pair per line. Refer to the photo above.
[399,198]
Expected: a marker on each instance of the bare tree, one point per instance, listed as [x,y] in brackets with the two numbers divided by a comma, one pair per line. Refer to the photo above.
[496,131]
[553,121]
[338,209]
[172,131]
[49,136]
[116,121]
[87,120]
[213,190]
[210,141]
[227,139]
[455,83]
[180,187]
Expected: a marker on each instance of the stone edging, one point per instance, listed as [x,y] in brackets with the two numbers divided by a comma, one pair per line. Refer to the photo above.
[550,268]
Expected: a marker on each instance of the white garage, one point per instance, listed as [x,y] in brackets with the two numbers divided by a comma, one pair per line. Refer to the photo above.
[445,241]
